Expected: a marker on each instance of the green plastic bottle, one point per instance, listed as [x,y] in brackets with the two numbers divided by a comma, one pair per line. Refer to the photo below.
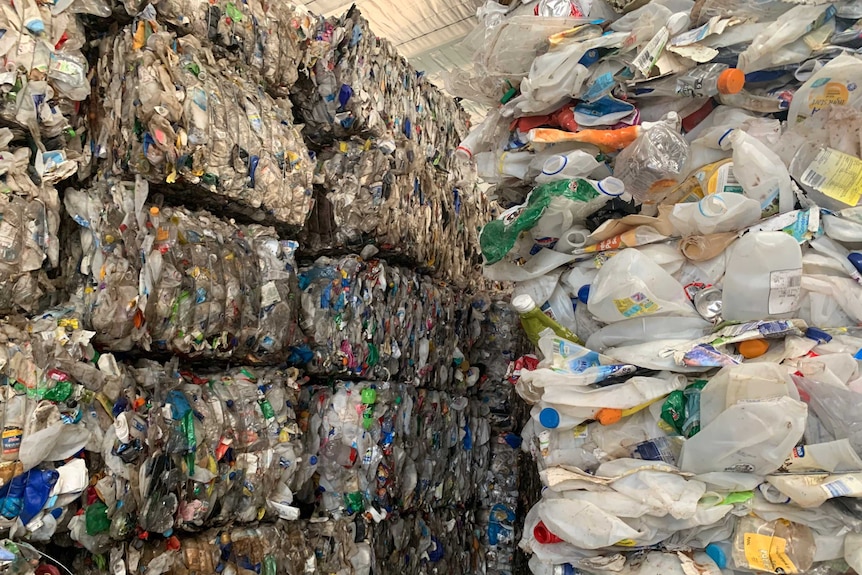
[535,322]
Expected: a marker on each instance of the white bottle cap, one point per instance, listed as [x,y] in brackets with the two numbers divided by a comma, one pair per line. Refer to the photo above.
[523,303]
[611,186]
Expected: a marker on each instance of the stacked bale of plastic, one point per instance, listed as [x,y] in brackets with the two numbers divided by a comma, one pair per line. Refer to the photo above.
[200,127]
[373,320]
[167,279]
[266,39]
[391,194]
[501,343]
[427,543]
[384,448]
[190,450]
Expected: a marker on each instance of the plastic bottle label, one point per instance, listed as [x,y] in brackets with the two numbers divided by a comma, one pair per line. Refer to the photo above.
[12,440]
[581,431]
[651,52]
[637,305]
[836,175]
[768,553]
[785,287]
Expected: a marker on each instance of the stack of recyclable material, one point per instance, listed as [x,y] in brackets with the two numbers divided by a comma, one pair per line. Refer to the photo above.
[187,450]
[387,172]
[501,343]
[688,267]
[268,39]
[373,320]
[201,128]
[267,549]
[167,279]
[389,194]
[383,448]
[442,541]
[357,84]
[29,222]
[45,80]
[54,383]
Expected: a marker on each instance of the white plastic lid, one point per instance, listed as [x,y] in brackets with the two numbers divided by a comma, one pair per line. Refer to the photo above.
[523,303]
[612,186]
[712,206]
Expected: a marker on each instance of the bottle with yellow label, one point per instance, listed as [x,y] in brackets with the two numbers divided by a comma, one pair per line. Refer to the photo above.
[713,178]
[779,546]
[831,178]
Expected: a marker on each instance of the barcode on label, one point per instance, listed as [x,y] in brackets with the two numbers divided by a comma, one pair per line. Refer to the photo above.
[837,489]
[813,179]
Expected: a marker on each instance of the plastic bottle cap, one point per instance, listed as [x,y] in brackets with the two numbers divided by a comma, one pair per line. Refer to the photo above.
[856,260]
[731,81]
[609,416]
[549,418]
[712,206]
[753,348]
[612,186]
[544,536]
[154,211]
[584,293]
[523,303]
[717,554]
[818,335]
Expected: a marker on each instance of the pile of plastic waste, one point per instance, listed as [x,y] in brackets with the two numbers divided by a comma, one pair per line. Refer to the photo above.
[442,541]
[29,222]
[383,448]
[494,355]
[45,79]
[378,321]
[357,84]
[267,39]
[684,231]
[200,127]
[388,193]
[180,396]
[167,279]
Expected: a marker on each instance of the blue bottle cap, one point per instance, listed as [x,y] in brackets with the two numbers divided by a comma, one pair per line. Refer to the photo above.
[858,355]
[818,335]
[549,418]
[717,554]
[584,293]
[569,570]
[856,260]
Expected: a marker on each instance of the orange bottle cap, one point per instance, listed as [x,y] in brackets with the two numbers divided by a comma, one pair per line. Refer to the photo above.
[753,348]
[154,211]
[731,81]
[609,416]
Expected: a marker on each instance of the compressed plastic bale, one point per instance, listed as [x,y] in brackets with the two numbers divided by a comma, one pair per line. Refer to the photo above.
[50,418]
[167,279]
[443,541]
[357,83]
[44,82]
[384,448]
[401,203]
[197,450]
[373,320]
[268,38]
[198,127]
[29,223]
